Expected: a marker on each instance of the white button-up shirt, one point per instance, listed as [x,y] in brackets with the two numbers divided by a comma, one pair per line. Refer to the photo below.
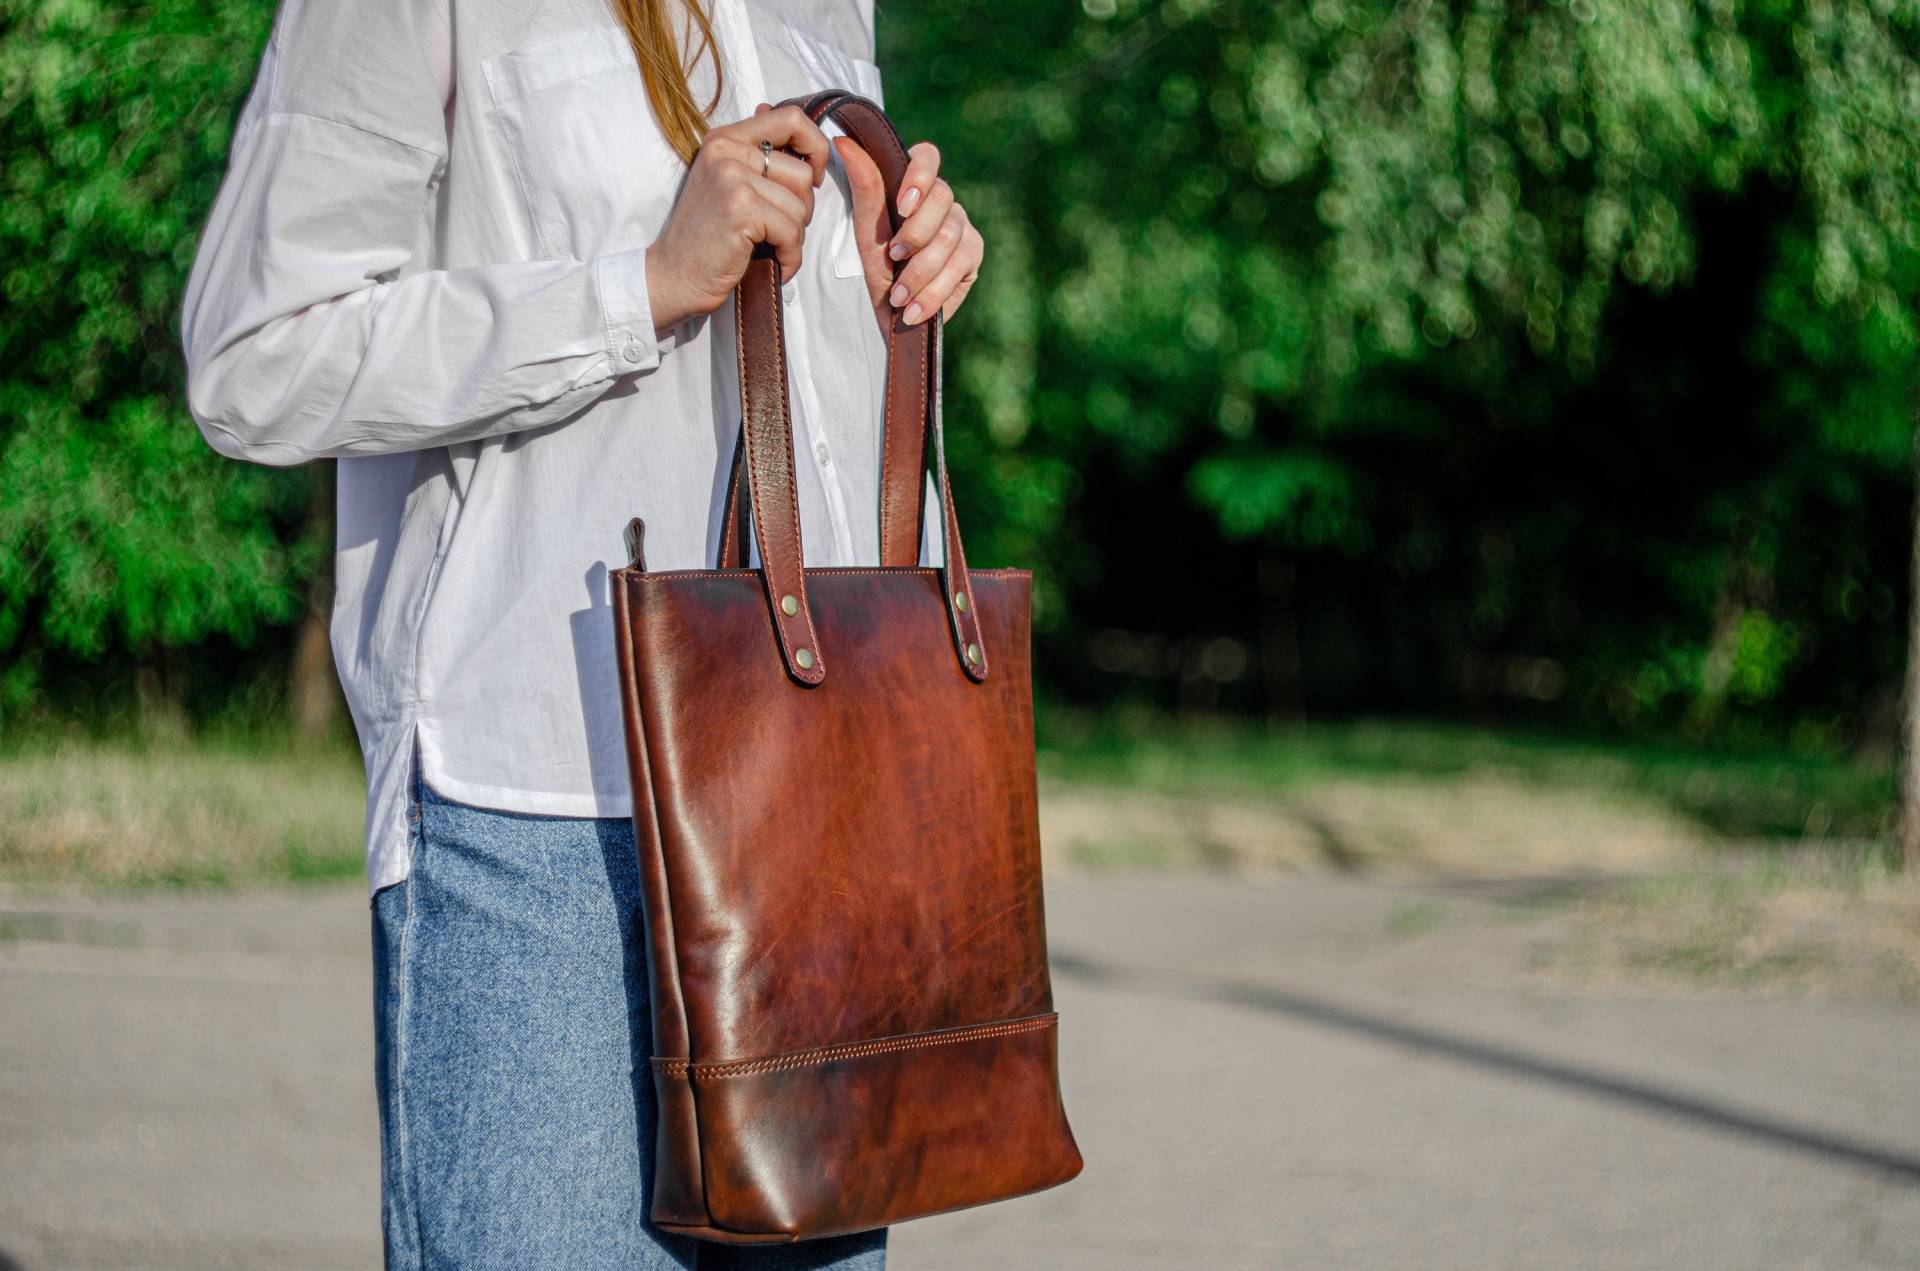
[427,260]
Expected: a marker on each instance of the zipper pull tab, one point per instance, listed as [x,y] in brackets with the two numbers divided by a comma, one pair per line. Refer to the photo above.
[637,544]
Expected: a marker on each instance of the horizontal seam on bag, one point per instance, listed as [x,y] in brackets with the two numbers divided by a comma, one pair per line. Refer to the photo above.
[852,1050]
[812,571]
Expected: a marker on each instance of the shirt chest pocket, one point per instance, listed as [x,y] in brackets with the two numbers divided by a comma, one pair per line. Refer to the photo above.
[595,171]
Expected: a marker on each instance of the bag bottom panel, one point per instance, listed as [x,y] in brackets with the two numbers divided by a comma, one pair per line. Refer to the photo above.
[847,1138]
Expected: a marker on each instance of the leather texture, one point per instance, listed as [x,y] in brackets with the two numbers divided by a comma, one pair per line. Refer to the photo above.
[903,458]
[846,941]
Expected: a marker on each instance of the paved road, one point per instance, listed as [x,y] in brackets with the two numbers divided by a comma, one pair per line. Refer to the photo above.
[1282,1075]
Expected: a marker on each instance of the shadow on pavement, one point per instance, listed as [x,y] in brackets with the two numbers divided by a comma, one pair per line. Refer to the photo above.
[1706,1112]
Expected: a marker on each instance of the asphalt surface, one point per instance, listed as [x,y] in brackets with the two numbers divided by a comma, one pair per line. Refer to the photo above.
[1278,1075]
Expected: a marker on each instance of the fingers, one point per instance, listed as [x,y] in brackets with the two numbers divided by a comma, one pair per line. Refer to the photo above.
[756,208]
[953,283]
[942,249]
[923,166]
[781,232]
[872,223]
[770,194]
[785,171]
[926,221]
[940,273]
[868,188]
[788,128]
[777,169]
[773,200]
[797,208]
[777,216]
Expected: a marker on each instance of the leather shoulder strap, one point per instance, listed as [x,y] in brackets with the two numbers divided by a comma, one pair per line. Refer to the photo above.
[903,456]
[767,446]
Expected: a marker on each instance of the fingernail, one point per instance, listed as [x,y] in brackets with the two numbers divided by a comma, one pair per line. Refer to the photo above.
[909,200]
[899,251]
[899,296]
[912,315]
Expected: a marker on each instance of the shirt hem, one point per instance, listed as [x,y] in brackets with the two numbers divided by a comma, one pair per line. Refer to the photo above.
[598,805]
[532,802]
[390,833]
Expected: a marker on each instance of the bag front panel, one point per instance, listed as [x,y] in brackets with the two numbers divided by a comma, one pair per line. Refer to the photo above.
[852,861]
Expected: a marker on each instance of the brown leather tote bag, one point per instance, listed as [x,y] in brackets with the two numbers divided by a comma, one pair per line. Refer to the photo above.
[833,777]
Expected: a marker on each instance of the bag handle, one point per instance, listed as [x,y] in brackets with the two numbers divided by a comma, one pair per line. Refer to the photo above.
[913,443]
[903,437]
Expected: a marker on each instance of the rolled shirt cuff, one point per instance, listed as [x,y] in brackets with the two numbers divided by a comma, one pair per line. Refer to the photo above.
[620,278]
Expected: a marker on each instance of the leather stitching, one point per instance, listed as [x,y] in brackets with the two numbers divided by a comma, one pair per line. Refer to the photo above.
[892,139]
[966,629]
[755,478]
[822,108]
[773,584]
[816,571]
[819,108]
[965,625]
[720,1070]
[793,490]
[887,430]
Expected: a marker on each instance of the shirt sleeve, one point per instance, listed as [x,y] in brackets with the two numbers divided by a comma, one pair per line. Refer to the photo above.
[302,337]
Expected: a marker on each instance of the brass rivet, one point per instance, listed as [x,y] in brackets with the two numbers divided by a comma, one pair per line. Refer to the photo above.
[789,606]
[804,657]
[973,655]
[960,601]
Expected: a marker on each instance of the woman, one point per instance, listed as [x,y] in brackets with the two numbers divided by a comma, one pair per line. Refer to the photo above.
[474,249]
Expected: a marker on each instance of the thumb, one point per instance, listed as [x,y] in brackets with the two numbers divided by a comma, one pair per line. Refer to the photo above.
[872,228]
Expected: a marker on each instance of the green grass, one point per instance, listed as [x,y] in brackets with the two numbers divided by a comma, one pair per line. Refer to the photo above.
[1832,921]
[243,808]
[178,812]
[1732,794]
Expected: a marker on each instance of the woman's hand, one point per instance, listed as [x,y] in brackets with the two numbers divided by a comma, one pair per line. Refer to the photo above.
[940,246]
[736,195]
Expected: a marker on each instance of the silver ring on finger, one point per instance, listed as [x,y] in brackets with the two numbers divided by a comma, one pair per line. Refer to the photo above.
[766,157]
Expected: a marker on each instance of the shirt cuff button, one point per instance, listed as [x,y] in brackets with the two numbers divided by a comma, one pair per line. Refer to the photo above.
[633,352]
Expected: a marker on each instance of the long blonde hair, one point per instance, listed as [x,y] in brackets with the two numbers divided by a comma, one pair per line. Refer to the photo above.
[669,92]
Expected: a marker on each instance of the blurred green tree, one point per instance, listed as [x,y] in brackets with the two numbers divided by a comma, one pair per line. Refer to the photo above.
[1309,258]
[122,536]
[1558,354]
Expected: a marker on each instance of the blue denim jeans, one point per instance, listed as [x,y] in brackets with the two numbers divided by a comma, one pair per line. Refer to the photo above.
[512,1038]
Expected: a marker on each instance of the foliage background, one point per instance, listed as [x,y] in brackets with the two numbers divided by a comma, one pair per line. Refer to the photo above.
[1542,359]
[1551,362]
